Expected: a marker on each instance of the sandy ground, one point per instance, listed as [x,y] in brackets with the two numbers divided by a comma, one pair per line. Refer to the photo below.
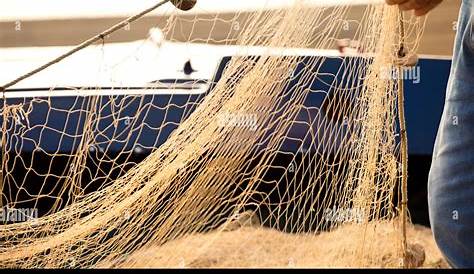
[263,247]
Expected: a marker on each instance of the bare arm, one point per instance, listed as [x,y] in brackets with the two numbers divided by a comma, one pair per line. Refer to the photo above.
[421,7]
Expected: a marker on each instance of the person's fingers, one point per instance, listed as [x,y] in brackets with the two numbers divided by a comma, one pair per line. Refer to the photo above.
[424,10]
[406,6]
[414,4]
[395,2]
[421,7]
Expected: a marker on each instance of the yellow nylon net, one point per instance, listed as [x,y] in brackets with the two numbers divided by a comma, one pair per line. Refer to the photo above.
[219,178]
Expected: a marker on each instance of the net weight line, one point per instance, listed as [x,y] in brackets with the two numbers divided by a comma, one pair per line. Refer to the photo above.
[403,145]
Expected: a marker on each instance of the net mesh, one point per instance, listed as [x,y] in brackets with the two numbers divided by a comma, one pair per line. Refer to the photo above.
[228,160]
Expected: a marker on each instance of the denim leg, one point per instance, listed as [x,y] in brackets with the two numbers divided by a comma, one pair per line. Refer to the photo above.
[451,179]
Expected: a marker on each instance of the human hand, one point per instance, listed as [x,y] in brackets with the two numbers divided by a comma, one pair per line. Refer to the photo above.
[421,7]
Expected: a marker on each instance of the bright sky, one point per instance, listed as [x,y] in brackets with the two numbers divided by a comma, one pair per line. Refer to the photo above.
[56,9]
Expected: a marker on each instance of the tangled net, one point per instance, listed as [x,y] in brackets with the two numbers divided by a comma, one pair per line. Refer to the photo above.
[214,170]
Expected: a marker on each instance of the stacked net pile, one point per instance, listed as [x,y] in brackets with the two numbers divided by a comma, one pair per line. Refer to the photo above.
[223,165]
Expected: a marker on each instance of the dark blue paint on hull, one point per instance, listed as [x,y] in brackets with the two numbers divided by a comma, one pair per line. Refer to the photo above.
[56,124]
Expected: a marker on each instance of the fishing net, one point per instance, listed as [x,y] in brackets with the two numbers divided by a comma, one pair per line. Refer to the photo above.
[299,148]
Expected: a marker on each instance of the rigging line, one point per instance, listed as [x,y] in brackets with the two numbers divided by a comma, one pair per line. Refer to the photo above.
[85,44]
[403,143]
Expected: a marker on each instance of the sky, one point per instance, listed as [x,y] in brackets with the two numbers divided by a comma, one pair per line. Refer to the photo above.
[13,10]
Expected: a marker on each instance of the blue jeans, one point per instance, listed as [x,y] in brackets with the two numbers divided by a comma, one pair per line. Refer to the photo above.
[451,179]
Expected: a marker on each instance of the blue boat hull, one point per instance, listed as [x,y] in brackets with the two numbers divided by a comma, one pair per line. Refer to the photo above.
[141,123]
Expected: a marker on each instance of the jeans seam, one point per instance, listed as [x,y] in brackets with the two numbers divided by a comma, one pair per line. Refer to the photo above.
[471,32]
